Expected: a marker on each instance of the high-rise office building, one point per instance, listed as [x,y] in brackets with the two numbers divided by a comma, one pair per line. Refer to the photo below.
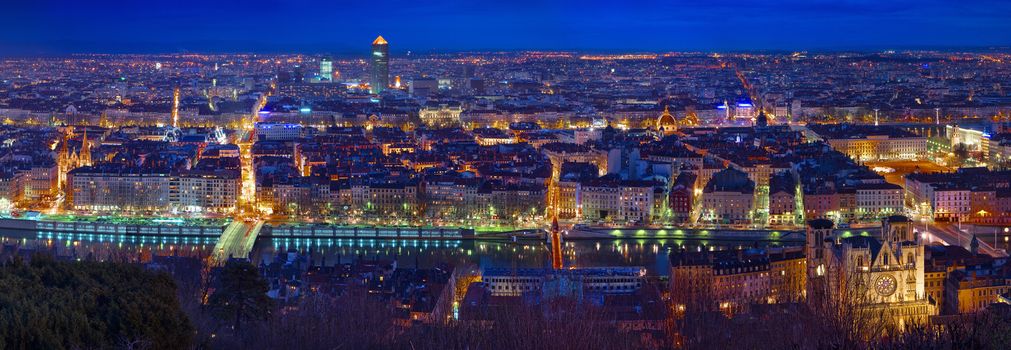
[380,77]
[325,69]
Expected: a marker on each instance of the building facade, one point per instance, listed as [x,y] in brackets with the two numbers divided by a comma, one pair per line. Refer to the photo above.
[882,274]
[379,77]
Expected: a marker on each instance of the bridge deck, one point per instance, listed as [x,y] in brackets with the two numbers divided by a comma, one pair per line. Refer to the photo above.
[236,240]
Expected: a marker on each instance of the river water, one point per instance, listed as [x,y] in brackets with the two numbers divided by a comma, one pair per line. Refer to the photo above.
[649,253]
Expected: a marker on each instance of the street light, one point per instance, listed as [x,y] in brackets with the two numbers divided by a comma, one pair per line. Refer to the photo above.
[1005,239]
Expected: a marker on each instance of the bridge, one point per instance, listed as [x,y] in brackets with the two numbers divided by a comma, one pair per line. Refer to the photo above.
[238,238]
[951,234]
[236,241]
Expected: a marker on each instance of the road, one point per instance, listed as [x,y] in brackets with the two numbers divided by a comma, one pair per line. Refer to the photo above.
[236,240]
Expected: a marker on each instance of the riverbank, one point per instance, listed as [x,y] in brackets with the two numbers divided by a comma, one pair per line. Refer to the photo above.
[212,229]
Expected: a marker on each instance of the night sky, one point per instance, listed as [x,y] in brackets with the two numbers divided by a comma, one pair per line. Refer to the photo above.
[347,27]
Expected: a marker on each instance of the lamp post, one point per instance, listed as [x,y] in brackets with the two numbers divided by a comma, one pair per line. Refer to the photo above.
[959,233]
[1005,239]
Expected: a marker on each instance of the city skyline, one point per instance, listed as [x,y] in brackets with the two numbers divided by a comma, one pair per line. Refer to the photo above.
[159,27]
[529,175]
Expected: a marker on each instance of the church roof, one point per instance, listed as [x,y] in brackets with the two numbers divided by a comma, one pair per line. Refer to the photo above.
[897,218]
[821,224]
[730,180]
[870,243]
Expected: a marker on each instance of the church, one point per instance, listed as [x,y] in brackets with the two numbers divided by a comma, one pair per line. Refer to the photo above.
[881,274]
[71,158]
[666,124]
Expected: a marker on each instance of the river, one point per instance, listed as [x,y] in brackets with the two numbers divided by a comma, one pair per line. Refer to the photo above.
[649,253]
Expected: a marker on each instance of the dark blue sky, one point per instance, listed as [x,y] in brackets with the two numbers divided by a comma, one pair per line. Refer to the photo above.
[337,26]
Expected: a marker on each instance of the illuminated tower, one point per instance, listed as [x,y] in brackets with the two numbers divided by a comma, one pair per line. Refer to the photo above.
[64,160]
[820,234]
[175,107]
[64,150]
[556,244]
[85,158]
[325,69]
[380,76]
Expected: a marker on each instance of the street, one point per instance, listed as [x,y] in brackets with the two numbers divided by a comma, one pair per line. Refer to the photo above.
[236,240]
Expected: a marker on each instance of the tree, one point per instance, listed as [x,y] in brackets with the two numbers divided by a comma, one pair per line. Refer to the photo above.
[961,151]
[49,304]
[351,321]
[241,294]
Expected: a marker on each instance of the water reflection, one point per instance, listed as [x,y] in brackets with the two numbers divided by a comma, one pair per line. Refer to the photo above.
[651,253]
[104,247]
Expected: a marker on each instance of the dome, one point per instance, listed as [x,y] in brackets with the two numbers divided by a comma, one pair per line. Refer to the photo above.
[666,122]
[691,119]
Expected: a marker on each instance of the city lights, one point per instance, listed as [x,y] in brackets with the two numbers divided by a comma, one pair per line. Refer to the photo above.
[385,190]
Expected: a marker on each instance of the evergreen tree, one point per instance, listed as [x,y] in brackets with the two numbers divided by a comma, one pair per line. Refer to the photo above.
[241,294]
[48,304]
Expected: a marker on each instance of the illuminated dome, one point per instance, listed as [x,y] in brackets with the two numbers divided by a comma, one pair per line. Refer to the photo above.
[691,119]
[666,123]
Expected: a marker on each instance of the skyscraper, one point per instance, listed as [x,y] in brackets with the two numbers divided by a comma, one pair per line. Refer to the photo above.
[380,77]
[325,69]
